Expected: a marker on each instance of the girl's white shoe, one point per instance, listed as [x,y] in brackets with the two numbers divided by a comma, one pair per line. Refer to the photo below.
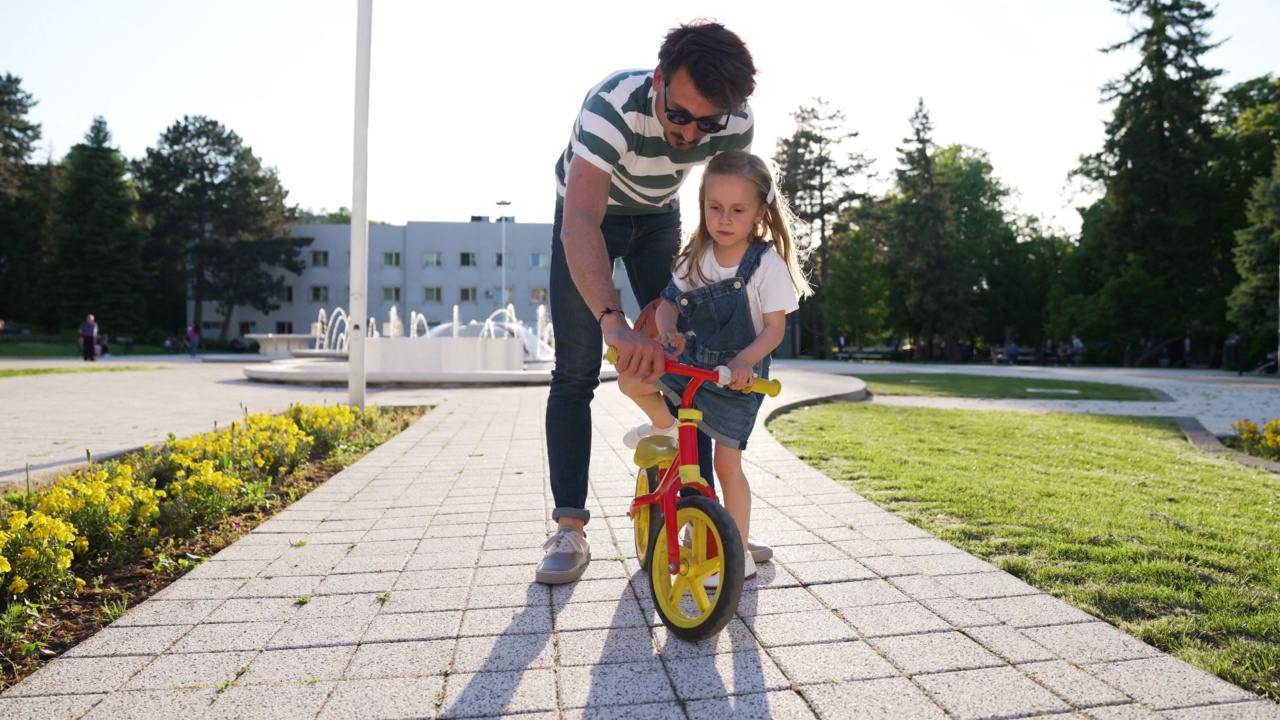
[749,571]
[635,434]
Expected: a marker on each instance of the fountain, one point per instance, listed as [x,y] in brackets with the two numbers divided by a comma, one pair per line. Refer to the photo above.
[502,349]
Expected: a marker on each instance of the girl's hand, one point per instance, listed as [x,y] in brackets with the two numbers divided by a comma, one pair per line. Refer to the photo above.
[672,341]
[742,374]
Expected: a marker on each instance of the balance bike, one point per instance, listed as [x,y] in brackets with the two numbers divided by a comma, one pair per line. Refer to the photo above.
[659,512]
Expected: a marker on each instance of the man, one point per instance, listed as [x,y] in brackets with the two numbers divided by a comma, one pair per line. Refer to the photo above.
[637,137]
[89,339]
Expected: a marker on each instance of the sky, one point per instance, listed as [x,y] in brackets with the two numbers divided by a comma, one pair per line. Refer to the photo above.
[473,102]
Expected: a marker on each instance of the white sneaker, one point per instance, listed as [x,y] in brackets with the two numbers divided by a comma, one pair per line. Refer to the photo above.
[759,551]
[748,567]
[635,434]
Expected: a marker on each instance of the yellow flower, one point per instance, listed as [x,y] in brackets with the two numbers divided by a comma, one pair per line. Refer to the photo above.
[17,520]
[4,565]
[64,559]
[18,586]
[29,552]
[79,584]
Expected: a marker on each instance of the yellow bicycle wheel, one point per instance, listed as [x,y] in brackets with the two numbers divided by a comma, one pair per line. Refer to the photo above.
[692,611]
[645,522]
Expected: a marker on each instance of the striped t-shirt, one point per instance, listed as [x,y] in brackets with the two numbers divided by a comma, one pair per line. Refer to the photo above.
[619,132]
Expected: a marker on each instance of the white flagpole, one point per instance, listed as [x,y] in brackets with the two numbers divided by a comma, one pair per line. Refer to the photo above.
[359,300]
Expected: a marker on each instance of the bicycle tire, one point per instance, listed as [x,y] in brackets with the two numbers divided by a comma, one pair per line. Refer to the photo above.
[647,520]
[683,604]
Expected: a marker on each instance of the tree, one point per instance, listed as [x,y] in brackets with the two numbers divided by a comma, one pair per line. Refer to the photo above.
[20,247]
[1253,303]
[819,185]
[98,239]
[1163,268]
[857,297]
[210,200]
[929,275]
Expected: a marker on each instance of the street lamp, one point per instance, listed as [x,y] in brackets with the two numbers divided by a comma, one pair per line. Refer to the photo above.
[501,219]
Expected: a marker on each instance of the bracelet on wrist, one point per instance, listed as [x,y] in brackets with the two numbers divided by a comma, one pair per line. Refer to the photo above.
[608,311]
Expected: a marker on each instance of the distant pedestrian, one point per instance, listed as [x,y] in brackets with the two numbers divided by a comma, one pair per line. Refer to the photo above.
[89,339]
[193,339]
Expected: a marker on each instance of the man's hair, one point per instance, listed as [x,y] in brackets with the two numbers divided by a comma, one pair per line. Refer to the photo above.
[716,59]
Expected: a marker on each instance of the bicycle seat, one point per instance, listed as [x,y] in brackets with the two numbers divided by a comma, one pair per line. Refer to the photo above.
[658,450]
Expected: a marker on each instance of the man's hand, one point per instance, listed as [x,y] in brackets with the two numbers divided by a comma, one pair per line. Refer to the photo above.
[638,356]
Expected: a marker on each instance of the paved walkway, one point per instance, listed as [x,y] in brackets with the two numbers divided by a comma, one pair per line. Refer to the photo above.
[859,615]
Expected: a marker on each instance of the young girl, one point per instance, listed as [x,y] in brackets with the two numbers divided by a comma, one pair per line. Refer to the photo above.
[731,288]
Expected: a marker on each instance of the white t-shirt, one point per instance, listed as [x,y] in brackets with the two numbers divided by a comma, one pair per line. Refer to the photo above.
[769,290]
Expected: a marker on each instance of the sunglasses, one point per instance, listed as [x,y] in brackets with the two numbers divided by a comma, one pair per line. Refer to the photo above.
[710,126]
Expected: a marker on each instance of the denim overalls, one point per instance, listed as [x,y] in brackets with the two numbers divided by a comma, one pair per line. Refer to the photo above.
[716,319]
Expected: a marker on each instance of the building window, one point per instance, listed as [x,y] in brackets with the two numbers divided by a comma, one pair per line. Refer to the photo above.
[498,260]
[207,325]
[286,293]
[319,293]
[467,259]
[432,294]
[391,294]
[391,259]
[467,294]
[431,259]
[537,295]
[319,258]
[284,327]
[537,260]
[248,327]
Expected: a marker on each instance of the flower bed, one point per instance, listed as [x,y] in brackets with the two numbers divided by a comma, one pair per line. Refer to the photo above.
[149,509]
[1264,444]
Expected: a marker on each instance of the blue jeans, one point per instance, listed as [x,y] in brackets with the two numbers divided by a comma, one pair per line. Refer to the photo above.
[646,244]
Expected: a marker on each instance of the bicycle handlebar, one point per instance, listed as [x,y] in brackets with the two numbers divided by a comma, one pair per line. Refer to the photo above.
[764,386]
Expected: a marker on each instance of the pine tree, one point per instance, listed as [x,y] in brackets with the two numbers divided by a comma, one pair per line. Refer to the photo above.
[99,240]
[20,255]
[1254,302]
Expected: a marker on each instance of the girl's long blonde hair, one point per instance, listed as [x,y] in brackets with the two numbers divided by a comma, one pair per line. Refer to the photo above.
[774,227]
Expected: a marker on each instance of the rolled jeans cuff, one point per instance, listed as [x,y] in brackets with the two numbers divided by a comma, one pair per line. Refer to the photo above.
[569,512]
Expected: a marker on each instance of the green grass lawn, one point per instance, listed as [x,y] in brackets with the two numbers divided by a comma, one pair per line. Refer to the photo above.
[28,349]
[59,371]
[1120,517]
[983,386]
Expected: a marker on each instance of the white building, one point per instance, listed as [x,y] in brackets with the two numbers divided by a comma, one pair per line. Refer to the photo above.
[423,267]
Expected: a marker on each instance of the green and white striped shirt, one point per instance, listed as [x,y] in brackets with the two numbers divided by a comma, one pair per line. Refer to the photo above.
[619,132]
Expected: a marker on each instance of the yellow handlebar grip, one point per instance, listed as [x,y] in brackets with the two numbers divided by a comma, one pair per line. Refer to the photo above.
[611,355]
[766,386]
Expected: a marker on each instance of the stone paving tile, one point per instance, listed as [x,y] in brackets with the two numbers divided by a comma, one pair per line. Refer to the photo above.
[881,699]
[227,636]
[935,652]
[829,571]
[395,533]
[831,662]
[509,575]
[1078,687]
[1123,712]
[975,586]
[500,621]
[1033,610]
[367,547]
[270,701]
[922,547]
[770,575]
[330,538]
[167,612]
[585,591]
[717,676]
[623,612]
[1255,710]
[800,628]
[502,653]
[959,612]
[1091,642]
[114,641]
[817,552]
[898,619]
[858,593]
[372,564]
[373,582]
[890,530]
[425,579]
[601,686]
[194,589]
[523,556]
[290,564]
[362,606]
[770,601]
[967,693]
[13,707]
[298,665]
[889,566]
[921,587]
[320,632]
[736,637]
[290,587]
[500,596]
[499,693]
[149,704]
[1165,683]
[1010,644]
[433,599]
[651,711]
[954,563]
[195,670]
[84,675]
[614,645]
[411,658]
